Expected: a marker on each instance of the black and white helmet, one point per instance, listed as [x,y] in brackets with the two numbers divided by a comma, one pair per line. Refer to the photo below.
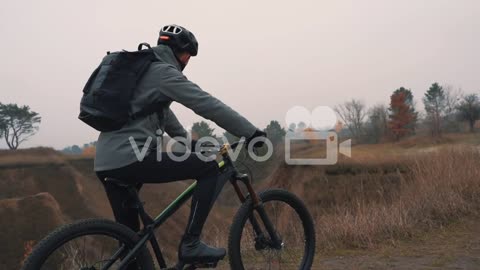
[178,38]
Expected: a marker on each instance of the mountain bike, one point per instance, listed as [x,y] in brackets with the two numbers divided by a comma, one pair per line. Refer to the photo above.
[271,230]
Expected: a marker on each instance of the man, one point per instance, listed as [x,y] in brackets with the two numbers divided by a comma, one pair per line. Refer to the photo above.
[163,84]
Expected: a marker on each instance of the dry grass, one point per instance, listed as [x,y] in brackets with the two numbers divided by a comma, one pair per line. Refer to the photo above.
[437,188]
[384,193]
[31,157]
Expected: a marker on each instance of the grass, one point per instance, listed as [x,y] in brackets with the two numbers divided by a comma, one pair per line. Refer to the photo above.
[383,195]
[33,156]
[387,193]
[435,189]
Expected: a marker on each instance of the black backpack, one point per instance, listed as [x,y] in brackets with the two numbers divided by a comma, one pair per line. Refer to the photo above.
[105,104]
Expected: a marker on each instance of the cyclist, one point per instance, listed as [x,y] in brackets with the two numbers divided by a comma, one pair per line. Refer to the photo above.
[163,84]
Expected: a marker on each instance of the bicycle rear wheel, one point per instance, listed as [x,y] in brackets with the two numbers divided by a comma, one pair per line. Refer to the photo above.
[91,244]
[250,249]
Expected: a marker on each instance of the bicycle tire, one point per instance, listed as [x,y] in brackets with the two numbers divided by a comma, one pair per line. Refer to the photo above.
[242,215]
[87,227]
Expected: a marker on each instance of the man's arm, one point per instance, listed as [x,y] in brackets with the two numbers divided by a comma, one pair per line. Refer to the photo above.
[177,87]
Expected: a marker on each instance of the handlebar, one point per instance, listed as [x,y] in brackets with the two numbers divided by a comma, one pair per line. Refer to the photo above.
[233,145]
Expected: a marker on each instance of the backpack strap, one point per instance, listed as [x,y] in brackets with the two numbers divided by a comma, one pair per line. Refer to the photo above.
[143,44]
[143,113]
[159,109]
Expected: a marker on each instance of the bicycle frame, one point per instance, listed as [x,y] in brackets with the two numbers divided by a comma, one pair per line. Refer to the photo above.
[150,225]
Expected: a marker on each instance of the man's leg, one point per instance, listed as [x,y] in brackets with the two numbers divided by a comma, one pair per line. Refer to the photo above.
[202,201]
[167,170]
[191,249]
[120,199]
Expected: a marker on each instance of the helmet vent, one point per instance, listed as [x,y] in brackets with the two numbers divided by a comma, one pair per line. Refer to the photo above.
[172,29]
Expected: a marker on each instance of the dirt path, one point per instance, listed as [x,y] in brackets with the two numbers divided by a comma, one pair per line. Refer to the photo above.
[454,247]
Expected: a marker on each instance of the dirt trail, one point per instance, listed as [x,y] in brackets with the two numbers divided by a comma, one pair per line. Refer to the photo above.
[454,247]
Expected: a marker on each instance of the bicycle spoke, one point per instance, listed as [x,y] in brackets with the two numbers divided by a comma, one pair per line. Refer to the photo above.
[93,252]
[285,221]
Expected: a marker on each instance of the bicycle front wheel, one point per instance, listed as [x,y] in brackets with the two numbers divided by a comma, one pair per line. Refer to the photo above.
[91,244]
[251,247]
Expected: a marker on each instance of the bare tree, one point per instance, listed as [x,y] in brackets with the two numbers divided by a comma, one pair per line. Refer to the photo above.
[453,97]
[377,123]
[353,113]
[469,110]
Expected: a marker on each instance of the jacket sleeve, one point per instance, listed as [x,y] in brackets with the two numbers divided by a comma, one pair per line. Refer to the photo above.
[173,127]
[178,88]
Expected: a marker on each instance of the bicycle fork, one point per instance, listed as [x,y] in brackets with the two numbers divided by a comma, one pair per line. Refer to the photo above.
[260,240]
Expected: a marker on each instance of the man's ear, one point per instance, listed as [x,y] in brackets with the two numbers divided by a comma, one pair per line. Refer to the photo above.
[184,57]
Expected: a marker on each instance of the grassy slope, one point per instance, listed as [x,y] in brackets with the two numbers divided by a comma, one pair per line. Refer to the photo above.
[72,185]
[23,220]
[356,203]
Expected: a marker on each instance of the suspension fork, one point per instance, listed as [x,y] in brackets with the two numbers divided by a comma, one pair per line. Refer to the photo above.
[256,201]
[257,206]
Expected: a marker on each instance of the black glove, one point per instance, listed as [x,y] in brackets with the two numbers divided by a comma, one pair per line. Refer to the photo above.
[258,134]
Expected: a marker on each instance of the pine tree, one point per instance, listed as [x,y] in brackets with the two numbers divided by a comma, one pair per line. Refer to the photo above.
[202,129]
[435,104]
[275,132]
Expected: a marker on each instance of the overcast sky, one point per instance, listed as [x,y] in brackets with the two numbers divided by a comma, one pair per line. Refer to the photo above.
[259,57]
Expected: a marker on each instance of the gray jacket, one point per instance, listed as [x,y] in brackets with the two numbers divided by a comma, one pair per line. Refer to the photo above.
[163,84]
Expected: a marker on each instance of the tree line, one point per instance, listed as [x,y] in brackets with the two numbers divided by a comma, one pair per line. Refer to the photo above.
[202,129]
[446,110]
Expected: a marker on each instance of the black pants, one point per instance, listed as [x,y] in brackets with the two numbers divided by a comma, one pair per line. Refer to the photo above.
[167,170]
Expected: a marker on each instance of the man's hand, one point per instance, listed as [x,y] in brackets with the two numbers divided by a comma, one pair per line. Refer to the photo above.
[261,135]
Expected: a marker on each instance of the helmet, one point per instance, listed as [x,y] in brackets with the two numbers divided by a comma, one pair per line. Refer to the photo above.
[179,39]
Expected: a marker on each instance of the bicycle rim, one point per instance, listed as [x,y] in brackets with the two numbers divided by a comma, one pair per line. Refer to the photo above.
[87,252]
[293,226]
